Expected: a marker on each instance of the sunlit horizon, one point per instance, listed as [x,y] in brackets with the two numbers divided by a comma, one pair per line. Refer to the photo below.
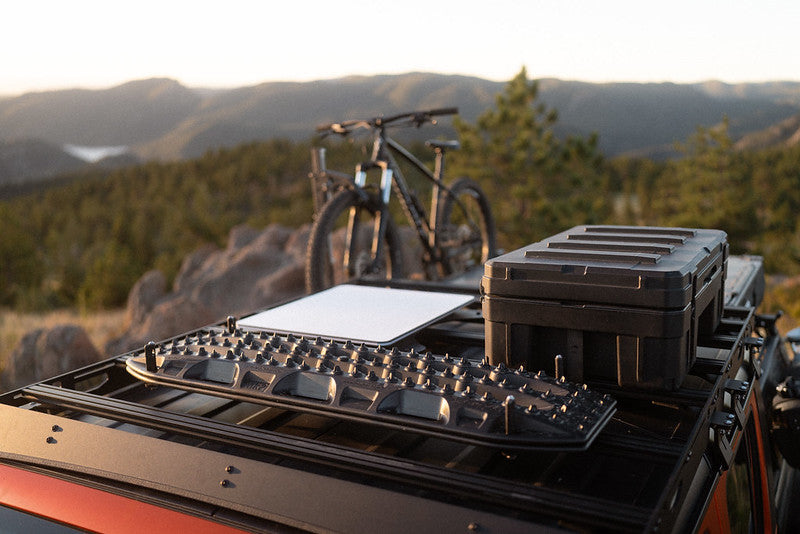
[100,86]
[84,44]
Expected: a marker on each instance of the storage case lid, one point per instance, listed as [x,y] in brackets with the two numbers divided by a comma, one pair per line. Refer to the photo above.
[623,265]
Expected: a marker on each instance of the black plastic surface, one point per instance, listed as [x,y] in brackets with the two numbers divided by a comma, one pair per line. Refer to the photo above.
[618,303]
[457,400]
[744,285]
[649,267]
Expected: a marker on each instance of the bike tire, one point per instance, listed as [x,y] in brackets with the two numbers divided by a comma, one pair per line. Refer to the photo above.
[325,252]
[465,227]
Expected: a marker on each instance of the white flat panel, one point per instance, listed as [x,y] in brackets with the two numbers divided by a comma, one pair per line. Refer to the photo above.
[358,313]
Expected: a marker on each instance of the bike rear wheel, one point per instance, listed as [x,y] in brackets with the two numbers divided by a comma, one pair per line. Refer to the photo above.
[326,262]
[465,227]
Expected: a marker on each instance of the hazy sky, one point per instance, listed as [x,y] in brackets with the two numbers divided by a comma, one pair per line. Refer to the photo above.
[93,43]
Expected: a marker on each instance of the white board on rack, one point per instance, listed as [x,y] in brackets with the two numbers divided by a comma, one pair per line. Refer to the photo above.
[359,313]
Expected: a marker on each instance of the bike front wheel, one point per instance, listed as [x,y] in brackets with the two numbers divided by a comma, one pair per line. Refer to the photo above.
[465,227]
[340,246]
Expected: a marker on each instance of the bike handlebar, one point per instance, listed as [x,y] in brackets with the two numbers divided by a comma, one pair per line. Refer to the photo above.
[417,118]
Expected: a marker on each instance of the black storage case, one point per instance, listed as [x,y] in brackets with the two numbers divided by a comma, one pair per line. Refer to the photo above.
[617,303]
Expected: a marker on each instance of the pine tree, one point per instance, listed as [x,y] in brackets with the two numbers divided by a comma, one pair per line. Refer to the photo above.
[709,188]
[538,184]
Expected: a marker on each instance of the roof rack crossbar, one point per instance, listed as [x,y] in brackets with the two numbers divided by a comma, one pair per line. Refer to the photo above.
[403,470]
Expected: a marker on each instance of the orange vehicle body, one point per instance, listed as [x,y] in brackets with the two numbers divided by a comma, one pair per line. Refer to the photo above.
[717,519]
[91,509]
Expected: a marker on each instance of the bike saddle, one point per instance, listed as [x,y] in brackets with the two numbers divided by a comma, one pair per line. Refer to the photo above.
[443,145]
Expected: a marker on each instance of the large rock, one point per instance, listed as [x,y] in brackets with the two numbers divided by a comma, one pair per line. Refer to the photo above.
[175,314]
[297,244]
[255,270]
[45,353]
[144,295]
[190,270]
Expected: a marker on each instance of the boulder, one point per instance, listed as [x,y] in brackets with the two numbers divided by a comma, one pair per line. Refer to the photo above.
[229,286]
[286,283]
[255,270]
[173,315]
[241,236]
[45,353]
[191,268]
[297,243]
[144,295]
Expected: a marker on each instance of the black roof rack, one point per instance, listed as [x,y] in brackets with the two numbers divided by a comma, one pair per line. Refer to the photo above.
[292,455]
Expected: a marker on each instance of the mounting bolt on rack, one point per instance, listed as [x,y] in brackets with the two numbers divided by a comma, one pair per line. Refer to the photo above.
[150,356]
[230,322]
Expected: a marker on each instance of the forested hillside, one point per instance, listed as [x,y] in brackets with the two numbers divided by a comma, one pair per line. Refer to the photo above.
[85,241]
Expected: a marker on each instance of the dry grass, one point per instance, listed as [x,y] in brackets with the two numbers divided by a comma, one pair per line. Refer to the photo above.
[100,326]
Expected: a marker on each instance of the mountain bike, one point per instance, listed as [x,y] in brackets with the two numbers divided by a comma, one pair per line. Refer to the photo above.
[354,235]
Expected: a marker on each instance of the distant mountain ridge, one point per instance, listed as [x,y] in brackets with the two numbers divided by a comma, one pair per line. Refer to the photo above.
[786,133]
[162,119]
[33,159]
[127,114]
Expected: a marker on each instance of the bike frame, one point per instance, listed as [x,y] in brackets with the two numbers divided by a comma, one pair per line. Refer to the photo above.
[383,156]
[384,150]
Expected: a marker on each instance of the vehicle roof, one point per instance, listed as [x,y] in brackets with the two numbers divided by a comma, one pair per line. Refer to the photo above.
[261,466]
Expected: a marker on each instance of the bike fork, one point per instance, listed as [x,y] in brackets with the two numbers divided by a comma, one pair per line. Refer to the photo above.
[360,180]
[381,216]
